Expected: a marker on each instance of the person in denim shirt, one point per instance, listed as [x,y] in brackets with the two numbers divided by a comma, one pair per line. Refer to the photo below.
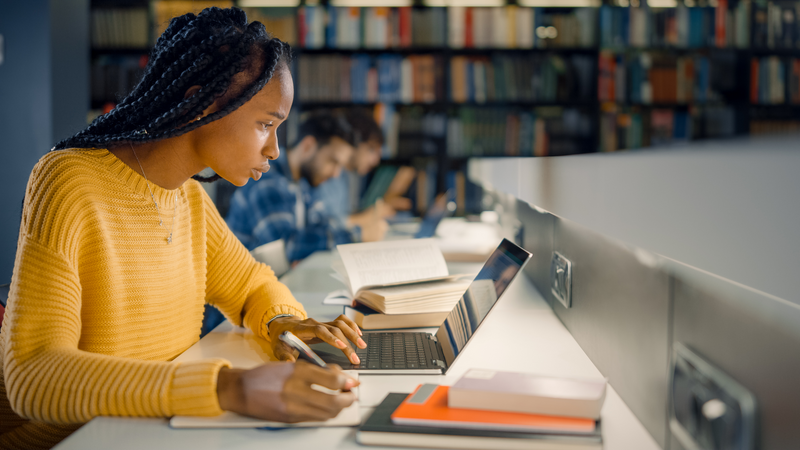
[282,203]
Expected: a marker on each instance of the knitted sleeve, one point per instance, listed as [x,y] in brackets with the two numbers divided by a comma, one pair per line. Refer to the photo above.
[247,292]
[47,377]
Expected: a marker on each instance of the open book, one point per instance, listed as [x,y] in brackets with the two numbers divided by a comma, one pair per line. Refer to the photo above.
[398,277]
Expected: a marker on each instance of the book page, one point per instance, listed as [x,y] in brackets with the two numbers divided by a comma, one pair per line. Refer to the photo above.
[388,262]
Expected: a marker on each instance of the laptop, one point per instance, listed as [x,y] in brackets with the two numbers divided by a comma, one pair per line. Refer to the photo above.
[441,208]
[393,353]
[402,228]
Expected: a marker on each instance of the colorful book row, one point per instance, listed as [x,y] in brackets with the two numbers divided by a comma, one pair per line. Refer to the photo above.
[660,79]
[455,27]
[633,128]
[514,78]
[681,27]
[774,80]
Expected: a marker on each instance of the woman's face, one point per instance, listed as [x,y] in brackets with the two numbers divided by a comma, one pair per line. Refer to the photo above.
[239,146]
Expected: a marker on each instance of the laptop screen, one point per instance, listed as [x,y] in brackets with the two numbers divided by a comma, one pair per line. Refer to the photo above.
[490,283]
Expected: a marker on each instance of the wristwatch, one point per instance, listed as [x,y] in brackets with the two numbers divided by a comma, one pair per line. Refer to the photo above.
[275,317]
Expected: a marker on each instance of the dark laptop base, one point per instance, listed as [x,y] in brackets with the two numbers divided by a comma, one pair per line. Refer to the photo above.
[389,353]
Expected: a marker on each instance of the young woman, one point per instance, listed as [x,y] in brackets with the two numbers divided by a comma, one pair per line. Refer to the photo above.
[119,249]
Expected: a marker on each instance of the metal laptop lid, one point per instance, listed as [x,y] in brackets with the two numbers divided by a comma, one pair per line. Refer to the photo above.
[497,273]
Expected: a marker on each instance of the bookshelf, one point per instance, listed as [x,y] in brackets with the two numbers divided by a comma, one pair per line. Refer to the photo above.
[450,83]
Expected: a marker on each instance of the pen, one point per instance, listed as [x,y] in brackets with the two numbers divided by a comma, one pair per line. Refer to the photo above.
[305,351]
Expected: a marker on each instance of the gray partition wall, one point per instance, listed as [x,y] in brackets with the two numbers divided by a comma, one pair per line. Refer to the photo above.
[630,306]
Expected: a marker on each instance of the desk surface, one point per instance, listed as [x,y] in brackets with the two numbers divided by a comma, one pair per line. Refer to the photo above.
[522,319]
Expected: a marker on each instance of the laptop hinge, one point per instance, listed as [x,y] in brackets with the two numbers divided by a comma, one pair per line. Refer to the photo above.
[439,363]
[432,338]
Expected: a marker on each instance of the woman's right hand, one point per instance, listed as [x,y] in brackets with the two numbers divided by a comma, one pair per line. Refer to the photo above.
[282,391]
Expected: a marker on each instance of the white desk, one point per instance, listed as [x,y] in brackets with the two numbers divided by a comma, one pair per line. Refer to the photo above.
[535,341]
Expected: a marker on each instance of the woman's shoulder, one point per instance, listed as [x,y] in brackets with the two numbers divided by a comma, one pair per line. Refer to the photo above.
[70,161]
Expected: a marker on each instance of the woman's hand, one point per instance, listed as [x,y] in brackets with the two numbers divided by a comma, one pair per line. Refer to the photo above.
[335,333]
[282,391]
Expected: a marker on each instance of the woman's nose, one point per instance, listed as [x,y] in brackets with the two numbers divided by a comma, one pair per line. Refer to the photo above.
[272,149]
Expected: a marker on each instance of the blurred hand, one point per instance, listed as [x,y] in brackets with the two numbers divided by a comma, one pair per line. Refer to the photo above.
[335,333]
[282,391]
[398,203]
[374,230]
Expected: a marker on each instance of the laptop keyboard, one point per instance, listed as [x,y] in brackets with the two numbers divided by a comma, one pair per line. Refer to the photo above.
[394,351]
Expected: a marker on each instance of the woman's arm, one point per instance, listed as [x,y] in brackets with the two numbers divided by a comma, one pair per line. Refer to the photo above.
[246,291]
[48,378]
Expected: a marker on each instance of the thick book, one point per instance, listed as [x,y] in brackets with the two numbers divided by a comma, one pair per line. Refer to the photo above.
[397,277]
[379,430]
[528,393]
[427,407]
[369,319]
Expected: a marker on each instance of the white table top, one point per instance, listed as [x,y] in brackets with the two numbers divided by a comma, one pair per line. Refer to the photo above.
[520,334]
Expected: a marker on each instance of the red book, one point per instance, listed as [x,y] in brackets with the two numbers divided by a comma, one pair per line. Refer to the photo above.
[754,81]
[468,40]
[719,22]
[405,26]
[427,406]
[301,27]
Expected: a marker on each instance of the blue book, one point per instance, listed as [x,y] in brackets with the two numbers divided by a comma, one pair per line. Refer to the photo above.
[624,23]
[470,81]
[330,28]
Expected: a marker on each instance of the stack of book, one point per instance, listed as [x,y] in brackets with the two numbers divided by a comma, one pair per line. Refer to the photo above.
[491,409]
[396,284]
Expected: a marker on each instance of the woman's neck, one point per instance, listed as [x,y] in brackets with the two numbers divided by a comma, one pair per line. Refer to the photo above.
[167,163]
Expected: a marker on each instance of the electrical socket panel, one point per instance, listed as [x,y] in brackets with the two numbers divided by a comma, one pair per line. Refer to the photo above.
[561,279]
[709,410]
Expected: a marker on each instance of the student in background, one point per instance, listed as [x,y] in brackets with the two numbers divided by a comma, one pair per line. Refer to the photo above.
[343,195]
[282,205]
[119,249]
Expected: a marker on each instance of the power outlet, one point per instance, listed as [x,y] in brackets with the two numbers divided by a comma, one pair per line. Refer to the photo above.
[709,410]
[561,279]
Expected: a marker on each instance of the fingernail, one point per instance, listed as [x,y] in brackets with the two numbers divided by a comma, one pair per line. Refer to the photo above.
[355,359]
[349,384]
[359,331]
[340,344]
[361,343]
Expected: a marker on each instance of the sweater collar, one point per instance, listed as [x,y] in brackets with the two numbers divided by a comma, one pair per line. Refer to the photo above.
[137,183]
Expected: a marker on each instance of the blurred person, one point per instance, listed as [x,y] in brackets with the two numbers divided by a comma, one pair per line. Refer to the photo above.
[282,204]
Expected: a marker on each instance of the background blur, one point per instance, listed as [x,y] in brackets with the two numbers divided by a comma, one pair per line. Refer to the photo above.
[447,80]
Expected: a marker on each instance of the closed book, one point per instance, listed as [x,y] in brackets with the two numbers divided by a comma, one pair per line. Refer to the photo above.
[369,319]
[427,406]
[528,393]
[379,430]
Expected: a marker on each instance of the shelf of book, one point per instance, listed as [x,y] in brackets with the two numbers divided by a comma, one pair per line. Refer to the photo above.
[511,80]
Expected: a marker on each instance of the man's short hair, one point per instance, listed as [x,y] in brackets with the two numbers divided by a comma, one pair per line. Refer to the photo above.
[324,126]
[365,129]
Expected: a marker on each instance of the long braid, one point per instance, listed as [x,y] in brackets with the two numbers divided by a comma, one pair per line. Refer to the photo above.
[206,50]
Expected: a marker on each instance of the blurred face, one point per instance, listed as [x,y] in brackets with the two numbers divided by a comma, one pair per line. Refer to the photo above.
[367,157]
[327,162]
[239,146]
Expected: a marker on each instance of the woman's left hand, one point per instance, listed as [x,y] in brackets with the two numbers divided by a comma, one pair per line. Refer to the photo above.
[335,333]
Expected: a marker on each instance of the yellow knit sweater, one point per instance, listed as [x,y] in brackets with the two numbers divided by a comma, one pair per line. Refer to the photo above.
[100,302]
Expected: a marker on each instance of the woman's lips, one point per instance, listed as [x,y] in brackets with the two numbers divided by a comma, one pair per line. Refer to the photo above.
[256,173]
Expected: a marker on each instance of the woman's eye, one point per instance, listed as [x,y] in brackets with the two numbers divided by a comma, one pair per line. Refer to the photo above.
[266,125]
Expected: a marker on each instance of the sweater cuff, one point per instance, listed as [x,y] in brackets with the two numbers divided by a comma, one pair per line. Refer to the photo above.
[193,391]
[261,330]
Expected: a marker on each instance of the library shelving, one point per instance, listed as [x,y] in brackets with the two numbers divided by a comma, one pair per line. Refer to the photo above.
[449,83]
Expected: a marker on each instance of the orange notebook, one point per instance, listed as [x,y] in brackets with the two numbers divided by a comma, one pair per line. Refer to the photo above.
[427,406]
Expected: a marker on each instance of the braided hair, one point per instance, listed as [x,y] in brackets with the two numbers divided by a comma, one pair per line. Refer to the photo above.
[218,50]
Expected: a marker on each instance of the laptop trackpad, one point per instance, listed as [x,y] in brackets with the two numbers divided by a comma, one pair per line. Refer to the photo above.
[331,355]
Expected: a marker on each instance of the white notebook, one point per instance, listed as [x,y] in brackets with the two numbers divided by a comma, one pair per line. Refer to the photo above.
[348,417]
